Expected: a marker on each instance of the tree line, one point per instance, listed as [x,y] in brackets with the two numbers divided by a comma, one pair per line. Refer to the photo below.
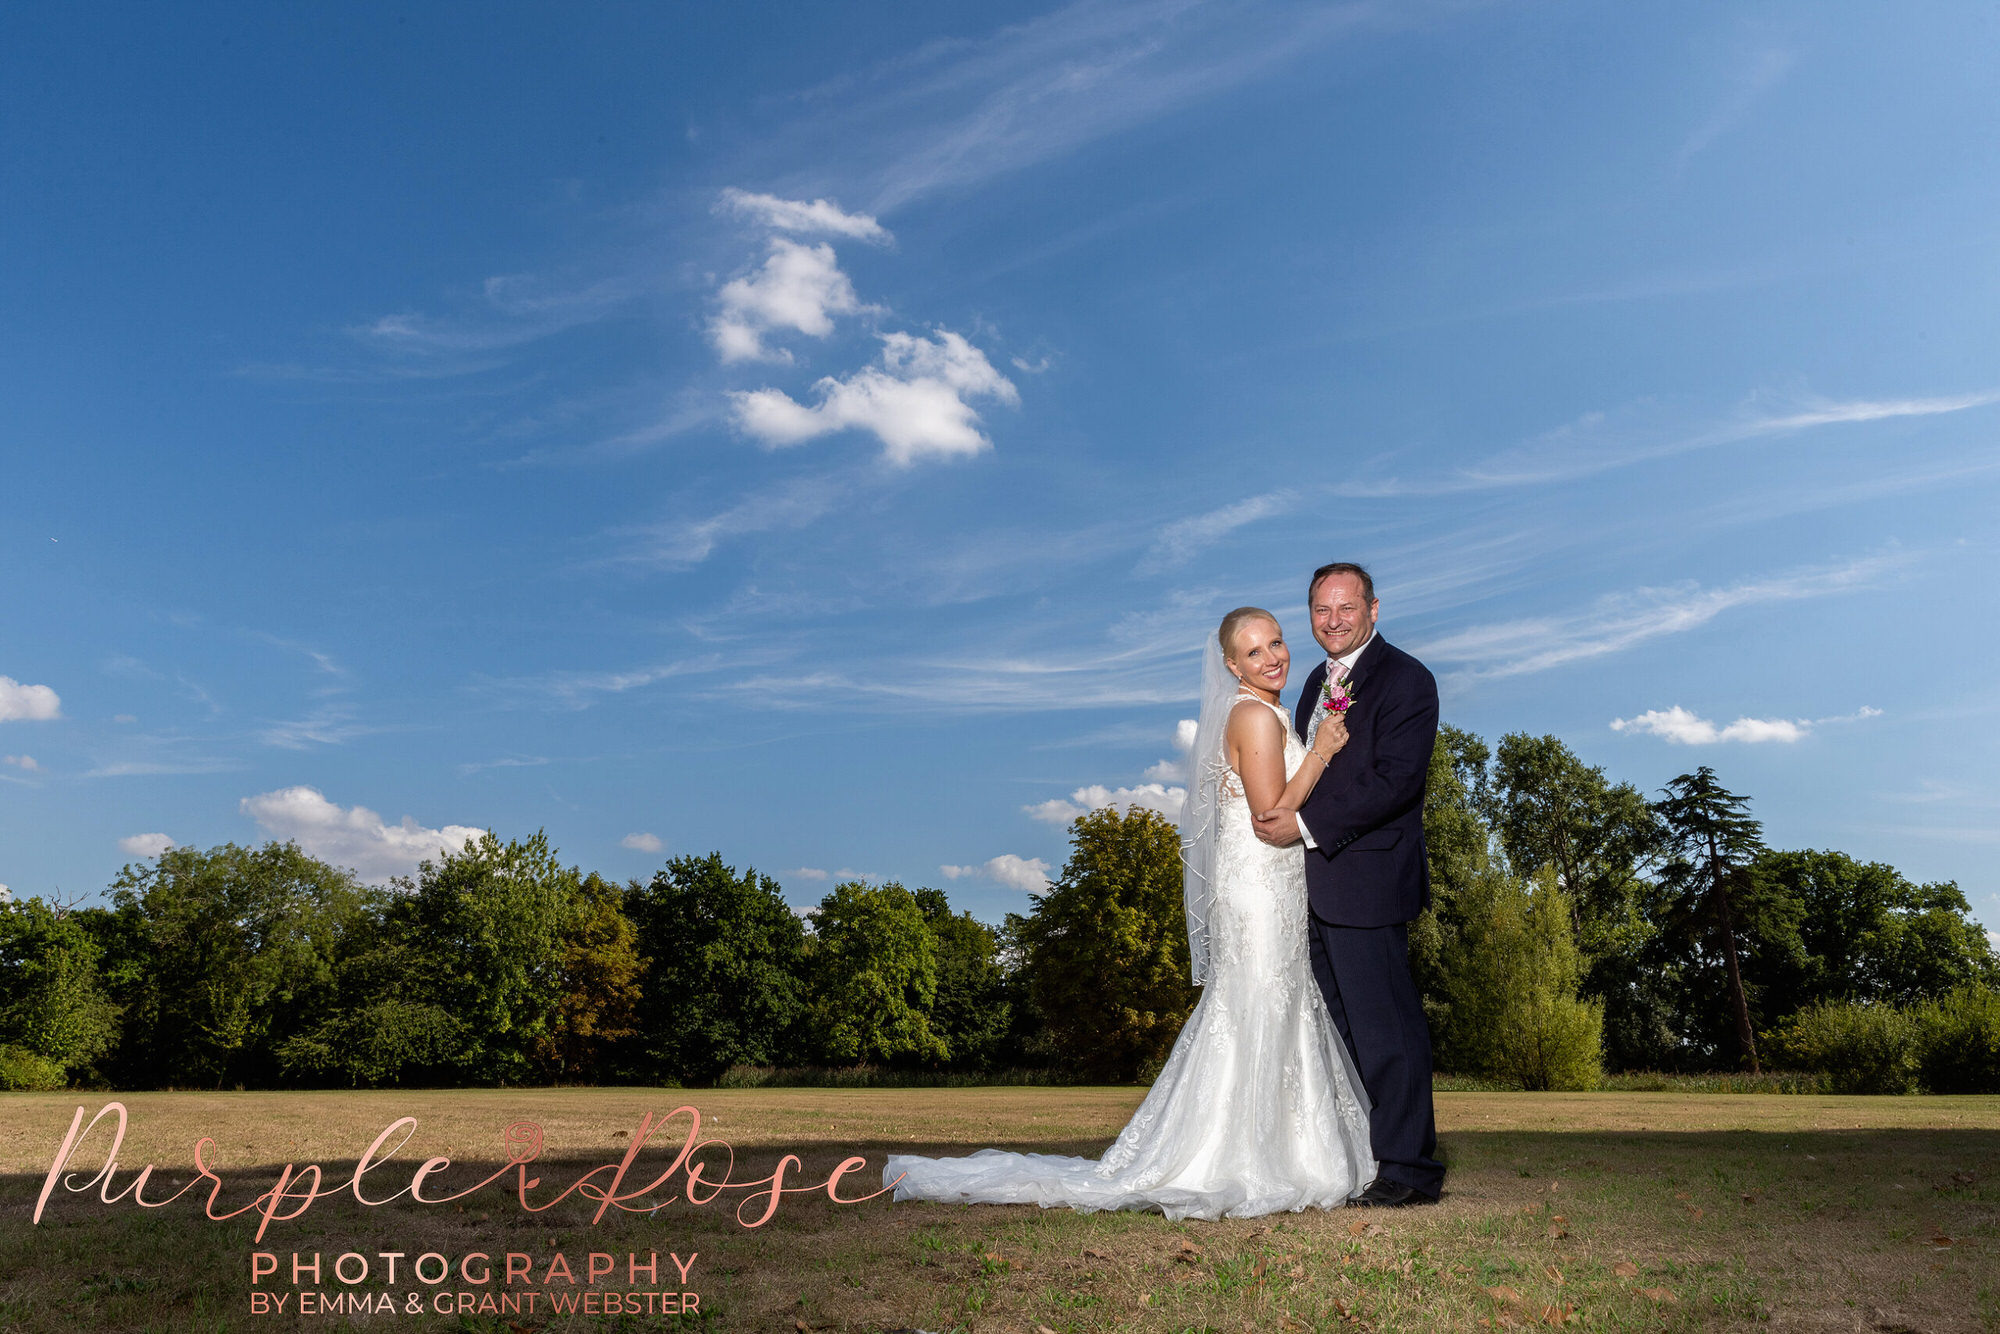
[1576,926]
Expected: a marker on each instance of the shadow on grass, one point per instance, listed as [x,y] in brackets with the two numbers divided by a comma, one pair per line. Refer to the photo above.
[1864,1229]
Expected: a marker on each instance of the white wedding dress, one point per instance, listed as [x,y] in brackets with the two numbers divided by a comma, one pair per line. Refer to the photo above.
[1257,1109]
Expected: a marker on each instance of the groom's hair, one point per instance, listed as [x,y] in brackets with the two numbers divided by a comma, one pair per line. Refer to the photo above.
[1342,567]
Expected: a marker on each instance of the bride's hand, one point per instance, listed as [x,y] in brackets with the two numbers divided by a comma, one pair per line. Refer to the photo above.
[1332,735]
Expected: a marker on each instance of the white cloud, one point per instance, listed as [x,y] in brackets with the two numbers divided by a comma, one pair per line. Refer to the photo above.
[642,843]
[800,288]
[145,845]
[1028,874]
[1147,796]
[793,215]
[22,703]
[914,401]
[351,836]
[1175,770]
[7,896]
[1683,728]
[809,873]
[22,762]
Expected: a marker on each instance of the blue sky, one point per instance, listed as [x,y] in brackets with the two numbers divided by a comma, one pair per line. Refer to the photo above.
[823,434]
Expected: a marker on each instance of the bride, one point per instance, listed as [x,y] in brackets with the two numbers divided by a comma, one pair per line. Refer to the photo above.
[1258,1108]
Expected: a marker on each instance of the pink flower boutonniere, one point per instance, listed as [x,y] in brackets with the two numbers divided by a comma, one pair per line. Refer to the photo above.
[1336,696]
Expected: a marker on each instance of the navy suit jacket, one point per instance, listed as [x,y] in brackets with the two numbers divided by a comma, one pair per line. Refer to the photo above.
[1366,813]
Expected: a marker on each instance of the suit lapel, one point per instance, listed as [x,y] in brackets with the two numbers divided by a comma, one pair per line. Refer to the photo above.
[1364,666]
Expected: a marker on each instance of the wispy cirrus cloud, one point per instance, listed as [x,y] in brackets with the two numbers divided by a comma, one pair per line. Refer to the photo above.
[1182,539]
[682,542]
[581,689]
[329,725]
[1755,75]
[957,114]
[1600,442]
[504,762]
[1622,621]
[512,310]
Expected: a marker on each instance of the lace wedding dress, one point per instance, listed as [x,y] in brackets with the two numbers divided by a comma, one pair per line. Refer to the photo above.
[1257,1109]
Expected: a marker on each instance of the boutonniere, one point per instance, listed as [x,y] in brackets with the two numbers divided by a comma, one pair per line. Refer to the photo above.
[1336,696]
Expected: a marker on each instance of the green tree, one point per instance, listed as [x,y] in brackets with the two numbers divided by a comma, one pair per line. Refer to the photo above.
[1552,809]
[224,955]
[52,1000]
[873,967]
[1865,933]
[601,969]
[1456,842]
[488,927]
[725,980]
[1105,948]
[1713,842]
[971,1015]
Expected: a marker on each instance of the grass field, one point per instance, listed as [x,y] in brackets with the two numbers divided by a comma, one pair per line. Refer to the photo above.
[1601,1211]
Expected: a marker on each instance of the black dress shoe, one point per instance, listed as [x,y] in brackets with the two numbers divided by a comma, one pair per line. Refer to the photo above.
[1385,1194]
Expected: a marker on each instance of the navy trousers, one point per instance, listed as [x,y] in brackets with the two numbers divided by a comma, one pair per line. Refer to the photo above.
[1364,973]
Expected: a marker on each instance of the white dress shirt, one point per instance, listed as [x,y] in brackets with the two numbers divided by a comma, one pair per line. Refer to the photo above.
[1335,669]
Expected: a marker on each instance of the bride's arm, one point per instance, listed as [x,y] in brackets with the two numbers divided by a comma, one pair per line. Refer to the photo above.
[1256,741]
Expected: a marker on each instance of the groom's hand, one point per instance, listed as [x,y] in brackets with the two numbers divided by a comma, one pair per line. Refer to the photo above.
[1279,828]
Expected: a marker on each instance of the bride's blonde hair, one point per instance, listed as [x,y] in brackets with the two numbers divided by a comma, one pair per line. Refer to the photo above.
[1235,621]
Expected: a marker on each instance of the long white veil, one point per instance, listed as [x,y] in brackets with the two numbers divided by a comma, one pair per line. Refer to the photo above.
[1207,768]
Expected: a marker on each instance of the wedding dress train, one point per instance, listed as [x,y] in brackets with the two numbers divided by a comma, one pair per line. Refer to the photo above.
[1257,1109]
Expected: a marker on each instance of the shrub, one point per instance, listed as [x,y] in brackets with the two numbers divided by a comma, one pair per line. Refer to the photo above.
[24,1071]
[1554,1041]
[1860,1048]
[1958,1041]
[1511,987]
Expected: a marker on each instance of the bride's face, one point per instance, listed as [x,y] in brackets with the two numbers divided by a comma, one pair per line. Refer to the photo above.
[1260,657]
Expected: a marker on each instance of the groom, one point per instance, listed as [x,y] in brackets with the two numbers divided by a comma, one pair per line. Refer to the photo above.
[1366,876]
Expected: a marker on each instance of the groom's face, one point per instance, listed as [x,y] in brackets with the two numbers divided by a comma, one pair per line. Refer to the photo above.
[1342,618]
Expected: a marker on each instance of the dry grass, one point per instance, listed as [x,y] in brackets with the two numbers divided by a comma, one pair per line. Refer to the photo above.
[1603,1211]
